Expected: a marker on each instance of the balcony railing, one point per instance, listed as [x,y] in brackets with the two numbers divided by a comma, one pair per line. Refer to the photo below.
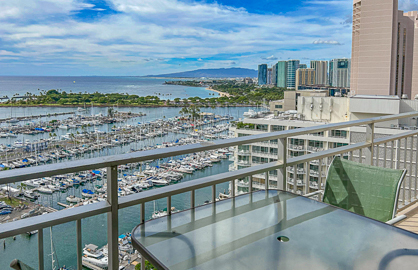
[397,151]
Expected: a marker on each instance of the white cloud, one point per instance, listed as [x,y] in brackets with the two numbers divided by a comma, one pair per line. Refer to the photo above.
[151,32]
[271,57]
[329,42]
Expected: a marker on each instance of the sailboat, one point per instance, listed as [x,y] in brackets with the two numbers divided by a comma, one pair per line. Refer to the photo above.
[53,254]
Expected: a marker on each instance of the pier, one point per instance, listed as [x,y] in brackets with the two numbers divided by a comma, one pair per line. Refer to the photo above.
[30,117]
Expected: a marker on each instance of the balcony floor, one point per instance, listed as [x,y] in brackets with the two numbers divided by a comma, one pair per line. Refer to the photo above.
[411,222]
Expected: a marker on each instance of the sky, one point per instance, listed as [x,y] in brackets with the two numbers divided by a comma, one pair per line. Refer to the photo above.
[143,37]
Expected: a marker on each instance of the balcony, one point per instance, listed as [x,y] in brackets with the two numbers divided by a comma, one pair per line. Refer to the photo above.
[243,163]
[370,151]
[315,149]
[294,147]
[244,153]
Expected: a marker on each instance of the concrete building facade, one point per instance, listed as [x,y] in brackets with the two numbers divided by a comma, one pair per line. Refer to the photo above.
[321,72]
[305,76]
[340,72]
[314,111]
[382,48]
[274,75]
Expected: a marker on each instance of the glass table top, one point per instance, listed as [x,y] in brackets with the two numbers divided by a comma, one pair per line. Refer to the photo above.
[273,230]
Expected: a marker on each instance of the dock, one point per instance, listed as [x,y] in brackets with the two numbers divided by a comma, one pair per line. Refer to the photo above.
[63,204]
[30,117]
[91,266]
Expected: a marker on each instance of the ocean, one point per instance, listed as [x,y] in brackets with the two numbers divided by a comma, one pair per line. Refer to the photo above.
[141,86]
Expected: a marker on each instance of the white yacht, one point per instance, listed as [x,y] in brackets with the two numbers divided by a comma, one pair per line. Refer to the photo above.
[94,256]
[73,199]
[250,114]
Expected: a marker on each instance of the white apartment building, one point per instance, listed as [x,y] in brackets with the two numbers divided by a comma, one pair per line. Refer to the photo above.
[314,111]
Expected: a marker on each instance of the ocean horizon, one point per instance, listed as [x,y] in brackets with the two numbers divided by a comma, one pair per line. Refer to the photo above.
[133,85]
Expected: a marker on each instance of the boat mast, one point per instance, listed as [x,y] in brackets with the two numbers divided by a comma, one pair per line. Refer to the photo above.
[52,250]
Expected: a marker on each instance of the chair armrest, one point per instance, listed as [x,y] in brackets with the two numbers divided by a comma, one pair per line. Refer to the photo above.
[396,220]
[313,194]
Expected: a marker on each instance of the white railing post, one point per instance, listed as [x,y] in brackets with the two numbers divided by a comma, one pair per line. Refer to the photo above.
[307,177]
[282,156]
[369,139]
[192,199]
[250,184]
[41,249]
[266,181]
[112,217]
[79,245]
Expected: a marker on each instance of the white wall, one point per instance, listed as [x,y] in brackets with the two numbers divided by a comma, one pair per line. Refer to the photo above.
[327,109]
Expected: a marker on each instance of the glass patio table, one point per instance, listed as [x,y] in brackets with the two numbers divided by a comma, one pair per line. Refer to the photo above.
[273,230]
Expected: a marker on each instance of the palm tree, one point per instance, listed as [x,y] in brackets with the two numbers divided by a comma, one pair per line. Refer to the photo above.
[194,111]
[110,112]
[184,111]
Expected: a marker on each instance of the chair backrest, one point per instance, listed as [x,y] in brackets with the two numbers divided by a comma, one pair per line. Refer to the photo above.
[363,189]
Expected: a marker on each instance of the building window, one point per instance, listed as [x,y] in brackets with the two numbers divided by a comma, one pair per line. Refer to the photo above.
[261,127]
[297,141]
[277,128]
[278,106]
[320,134]
[317,144]
[339,133]
[336,145]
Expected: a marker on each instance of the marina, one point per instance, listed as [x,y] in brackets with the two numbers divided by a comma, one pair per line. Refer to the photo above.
[51,194]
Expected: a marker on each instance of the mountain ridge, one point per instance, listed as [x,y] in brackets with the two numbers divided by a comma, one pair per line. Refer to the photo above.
[212,73]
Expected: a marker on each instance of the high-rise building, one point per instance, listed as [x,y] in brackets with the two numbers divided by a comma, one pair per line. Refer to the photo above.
[274,75]
[382,48]
[269,75]
[340,72]
[321,72]
[292,66]
[305,76]
[414,84]
[303,66]
[262,74]
[282,74]
[330,73]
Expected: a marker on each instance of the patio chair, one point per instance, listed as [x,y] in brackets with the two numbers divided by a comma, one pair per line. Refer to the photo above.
[363,189]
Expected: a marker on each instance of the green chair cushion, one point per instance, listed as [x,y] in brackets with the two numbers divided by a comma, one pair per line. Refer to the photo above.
[363,189]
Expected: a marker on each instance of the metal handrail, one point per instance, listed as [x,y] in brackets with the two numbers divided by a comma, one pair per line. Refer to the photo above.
[113,203]
[12,176]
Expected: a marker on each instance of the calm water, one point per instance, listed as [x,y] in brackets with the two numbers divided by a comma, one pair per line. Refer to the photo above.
[94,228]
[10,85]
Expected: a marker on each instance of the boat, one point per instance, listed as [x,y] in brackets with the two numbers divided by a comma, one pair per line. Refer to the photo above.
[12,121]
[94,256]
[45,190]
[30,195]
[18,144]
[5,212]
[250,114]
[73,199]
[87,193]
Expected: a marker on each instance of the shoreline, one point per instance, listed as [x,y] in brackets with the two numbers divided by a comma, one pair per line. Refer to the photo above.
[222,94]
[113,105]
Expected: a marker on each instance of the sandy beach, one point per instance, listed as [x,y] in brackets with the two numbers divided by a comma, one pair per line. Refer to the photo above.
[222,94]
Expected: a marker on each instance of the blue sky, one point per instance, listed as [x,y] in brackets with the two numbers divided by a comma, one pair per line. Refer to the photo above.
[141,37]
